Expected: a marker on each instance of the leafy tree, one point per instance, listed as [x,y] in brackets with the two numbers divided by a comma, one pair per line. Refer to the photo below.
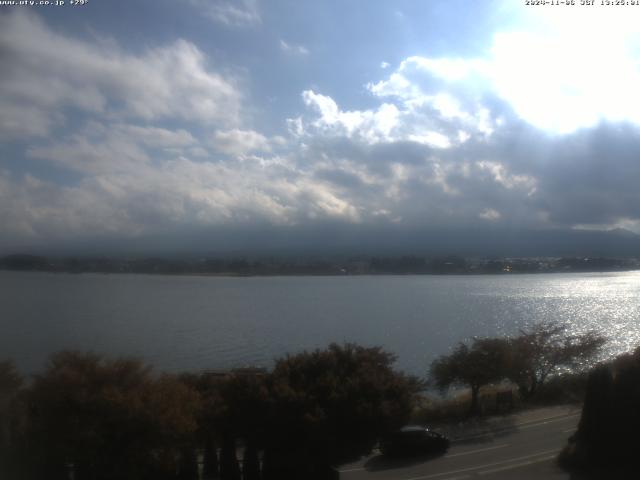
[331,405]
[113,419]
[10,383]
[10,379]
[546,349]
[484,361]
[208,428]
[244,416]
[235,408]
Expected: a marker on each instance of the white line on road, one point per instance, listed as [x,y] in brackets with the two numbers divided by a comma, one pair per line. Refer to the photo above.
[520,426]
[476,451]
[569,430]
[478,467]
[357,469]
[545,422]
[516,465]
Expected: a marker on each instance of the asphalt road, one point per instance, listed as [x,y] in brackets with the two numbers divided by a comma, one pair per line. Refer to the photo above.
[523,451]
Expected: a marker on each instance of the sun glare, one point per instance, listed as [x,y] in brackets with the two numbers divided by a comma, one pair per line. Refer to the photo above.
[563,69]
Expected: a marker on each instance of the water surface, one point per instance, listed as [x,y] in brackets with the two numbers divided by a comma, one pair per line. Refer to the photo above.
[191,323]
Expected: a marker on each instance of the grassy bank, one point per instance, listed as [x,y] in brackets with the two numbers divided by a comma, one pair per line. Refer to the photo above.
[454,408]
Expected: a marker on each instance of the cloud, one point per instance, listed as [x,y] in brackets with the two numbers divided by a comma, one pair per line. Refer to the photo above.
[166,82]
[143,181]
[553,73]
[157,137]
[238,13]
[239,142]
[154,200]
[24,121]
[425,99]
[489,214]
[435,120]
[114,147]
[371,125]
[434,143]
[450,157]
[293,49]
[81,154]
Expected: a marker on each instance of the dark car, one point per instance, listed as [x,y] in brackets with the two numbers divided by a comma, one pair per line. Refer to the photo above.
[414,440]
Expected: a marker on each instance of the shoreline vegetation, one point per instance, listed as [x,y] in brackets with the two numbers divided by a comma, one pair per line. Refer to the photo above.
[312,266]
[102,418]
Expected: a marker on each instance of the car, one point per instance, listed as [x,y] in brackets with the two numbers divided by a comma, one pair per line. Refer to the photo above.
[414,440]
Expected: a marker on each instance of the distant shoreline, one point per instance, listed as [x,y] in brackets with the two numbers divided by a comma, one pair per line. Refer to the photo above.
[311,266]
[317,274]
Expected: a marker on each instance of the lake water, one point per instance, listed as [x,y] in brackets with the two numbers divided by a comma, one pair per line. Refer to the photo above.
[190,323]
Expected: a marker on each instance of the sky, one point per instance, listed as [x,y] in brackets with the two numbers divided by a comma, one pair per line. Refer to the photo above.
[208,123]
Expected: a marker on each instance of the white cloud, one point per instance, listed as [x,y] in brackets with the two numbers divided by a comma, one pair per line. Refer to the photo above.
[24,121]
[114,153]
[370,125]
[179,192]
[433,139]
[157,137]
[171,81]
[490,214]
[502,176]
[113,147]
[427,105]
[384,65]
[141,180]
[435,121]
[293,49]
[240,142]
[230,12]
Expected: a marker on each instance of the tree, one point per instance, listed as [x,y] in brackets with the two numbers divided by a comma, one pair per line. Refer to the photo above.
[331,405]
[235,407]
[483,362]
[10,383]
[208,428]
[546,349]
[112,419]
[244,416]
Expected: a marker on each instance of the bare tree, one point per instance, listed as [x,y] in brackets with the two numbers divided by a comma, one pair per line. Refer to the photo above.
[546,349]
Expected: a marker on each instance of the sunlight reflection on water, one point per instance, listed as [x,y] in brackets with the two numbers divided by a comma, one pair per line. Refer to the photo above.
[606,303]
[179,323]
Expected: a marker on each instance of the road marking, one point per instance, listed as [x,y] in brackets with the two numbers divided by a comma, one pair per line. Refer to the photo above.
[476,451]
[478,467]
[553,418]
[351,470]
[520,426]
[357,469]
[569,430]
[548,421]
[516,465]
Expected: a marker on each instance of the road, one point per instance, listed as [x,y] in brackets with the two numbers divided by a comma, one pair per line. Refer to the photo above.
[523,451]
